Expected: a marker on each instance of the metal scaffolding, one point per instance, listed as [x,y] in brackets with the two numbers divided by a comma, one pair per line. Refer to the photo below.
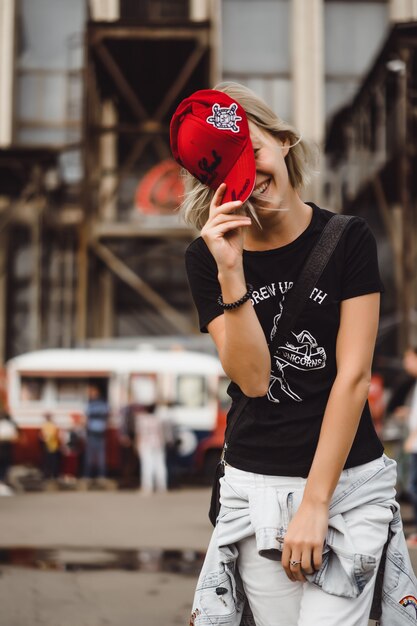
[371,164]
[86,261]
[127,112]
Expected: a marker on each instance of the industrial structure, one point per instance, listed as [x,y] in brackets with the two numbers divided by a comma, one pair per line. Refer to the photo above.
[371,171]
[91,244]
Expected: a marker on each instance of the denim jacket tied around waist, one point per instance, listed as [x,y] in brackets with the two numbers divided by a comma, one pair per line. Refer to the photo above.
[219,598]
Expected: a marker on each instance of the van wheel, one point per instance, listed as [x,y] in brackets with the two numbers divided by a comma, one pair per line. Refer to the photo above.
[211,460]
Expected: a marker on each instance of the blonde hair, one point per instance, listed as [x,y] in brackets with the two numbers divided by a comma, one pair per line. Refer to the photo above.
[300,160]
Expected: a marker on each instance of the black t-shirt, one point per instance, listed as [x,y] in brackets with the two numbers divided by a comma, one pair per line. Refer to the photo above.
[278,433]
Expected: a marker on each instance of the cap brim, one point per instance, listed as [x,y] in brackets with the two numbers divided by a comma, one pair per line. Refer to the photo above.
[241,179]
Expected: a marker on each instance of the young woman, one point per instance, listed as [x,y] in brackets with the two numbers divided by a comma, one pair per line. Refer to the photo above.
[306,433]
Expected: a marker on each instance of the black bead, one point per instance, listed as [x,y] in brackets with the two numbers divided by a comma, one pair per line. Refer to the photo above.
[234,305]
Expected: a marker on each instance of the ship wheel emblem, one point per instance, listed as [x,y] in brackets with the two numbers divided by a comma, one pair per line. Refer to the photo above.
[225,118]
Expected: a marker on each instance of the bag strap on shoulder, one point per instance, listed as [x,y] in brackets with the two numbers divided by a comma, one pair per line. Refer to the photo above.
[313,268]
[299,295]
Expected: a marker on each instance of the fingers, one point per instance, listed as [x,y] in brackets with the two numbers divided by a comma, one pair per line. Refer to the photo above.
[220,218]
[223,217]
[224,226]
[219,194]
[296,569]
[285,561]
[317,559]
[227,207]
[217,202]
[297,564]
[307,563]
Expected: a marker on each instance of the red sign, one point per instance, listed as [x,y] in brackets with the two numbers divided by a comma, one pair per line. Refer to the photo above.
[161,189]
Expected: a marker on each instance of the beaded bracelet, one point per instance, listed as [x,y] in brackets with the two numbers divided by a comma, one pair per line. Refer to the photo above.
[235,305]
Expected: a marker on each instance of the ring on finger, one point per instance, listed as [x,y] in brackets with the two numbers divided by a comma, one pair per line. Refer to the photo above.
[294,563]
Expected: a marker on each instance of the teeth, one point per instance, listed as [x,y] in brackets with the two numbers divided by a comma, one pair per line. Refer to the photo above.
[262,187]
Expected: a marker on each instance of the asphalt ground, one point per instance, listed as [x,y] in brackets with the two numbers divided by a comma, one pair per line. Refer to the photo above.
[111,558]
[165,533]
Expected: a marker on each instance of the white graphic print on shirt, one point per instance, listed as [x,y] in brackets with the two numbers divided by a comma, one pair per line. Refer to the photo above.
[304,355]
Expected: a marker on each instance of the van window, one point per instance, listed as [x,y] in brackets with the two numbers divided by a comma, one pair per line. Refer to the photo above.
[71,389]
[191,390]
[31,388]
[143,388]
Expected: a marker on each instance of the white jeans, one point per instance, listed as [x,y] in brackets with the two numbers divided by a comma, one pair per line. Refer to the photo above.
[277,601]
[153,469]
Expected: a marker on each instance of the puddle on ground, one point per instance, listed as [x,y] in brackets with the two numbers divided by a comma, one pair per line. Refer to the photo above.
[68,559]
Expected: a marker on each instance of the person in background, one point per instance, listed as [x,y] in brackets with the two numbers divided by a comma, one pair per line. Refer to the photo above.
[73,448]
[97,414]
[129,470]
[9,434]
[50,438]
[151,441]
[172,443]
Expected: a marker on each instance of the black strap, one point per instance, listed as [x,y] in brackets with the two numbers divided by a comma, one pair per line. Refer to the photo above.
[313,268]
[299,295]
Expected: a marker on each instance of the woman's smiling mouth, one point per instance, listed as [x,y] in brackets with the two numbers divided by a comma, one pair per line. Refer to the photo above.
[262,187]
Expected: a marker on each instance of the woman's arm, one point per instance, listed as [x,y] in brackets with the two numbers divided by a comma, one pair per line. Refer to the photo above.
[242,349]
[238,335]
[354,352]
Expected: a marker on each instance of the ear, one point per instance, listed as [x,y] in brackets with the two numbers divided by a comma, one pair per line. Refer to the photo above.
[285,146]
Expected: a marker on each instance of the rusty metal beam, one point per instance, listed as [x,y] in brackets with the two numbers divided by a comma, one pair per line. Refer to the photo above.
[122,84]
[180,81]
[197,30]
[146,228]
[82,282]
[128,276]
[132,129]
[137,149]
[6,216]
[162,148]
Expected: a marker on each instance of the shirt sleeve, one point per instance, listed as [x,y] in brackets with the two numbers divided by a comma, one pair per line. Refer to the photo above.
[202,277]
[360,273]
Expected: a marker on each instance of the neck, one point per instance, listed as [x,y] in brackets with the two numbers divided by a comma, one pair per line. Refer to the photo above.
[279,228]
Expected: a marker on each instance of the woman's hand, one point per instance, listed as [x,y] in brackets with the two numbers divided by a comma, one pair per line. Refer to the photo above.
[304,540]
[223,232]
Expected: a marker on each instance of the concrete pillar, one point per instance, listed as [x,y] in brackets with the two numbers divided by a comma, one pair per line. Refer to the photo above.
[105,10]
[7,48]
[199,10]
[216,66]
[307,36]
[403,10]
[108,163]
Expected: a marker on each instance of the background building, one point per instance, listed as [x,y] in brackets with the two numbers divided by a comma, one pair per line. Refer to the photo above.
[91,248]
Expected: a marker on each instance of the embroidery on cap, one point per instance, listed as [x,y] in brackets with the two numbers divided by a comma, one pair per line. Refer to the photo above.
[209,168]
[409,601]
[241,192]
[225,118]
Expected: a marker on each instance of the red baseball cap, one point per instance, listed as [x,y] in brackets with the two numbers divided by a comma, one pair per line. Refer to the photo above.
[210,137]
